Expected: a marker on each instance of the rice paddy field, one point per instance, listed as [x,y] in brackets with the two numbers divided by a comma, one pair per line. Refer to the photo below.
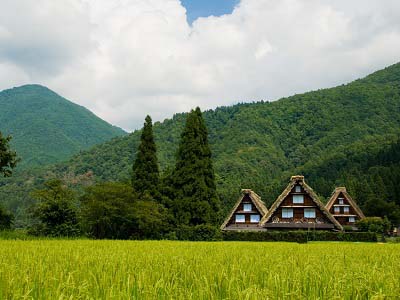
[86,269]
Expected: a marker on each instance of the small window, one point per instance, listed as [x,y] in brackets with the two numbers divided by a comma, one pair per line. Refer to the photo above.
[340,200]
[337,209]
[298,189]
[309,213]
[346,209]
[255,218]
[298,198]
[287,212]
[352,219]
[240,219]
[247,207]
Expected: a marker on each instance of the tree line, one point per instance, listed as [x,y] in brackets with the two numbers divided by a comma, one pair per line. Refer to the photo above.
[181,204]
[154,204]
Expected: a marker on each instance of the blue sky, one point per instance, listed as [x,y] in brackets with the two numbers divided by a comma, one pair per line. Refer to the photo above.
[205,8]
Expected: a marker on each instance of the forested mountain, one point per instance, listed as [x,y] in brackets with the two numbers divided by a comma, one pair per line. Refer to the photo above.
[347,135]
[47,128]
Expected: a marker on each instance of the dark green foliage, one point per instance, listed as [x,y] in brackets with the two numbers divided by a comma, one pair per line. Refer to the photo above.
[298,236]
[203,232]
[55,212]
[371,177]
[8,158]
[151,219]
[6,219]
[374,224]
[194,193]
[146,175]
[109,210]
[16,234]
[47,128]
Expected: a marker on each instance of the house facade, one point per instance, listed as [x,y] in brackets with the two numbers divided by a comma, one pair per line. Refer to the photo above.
[246,213]
[343,208]
[298,207]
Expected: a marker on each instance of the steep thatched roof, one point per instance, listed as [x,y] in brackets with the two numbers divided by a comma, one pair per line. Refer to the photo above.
[346,195]
[294,180]
[255,199]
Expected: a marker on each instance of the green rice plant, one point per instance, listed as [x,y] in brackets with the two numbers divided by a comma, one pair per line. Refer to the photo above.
[87,269]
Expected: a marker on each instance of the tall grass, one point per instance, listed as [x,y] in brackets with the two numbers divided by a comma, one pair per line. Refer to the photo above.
[88,269]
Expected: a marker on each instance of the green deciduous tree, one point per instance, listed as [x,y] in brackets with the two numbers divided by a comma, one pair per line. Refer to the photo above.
[195,199]
[145,178]
[55,211]
[374,224]
[151,220]
[109,210]
[6,219]
[8,158]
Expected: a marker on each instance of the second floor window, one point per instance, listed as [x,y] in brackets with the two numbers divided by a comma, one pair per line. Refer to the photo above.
[247,207]
[298,198]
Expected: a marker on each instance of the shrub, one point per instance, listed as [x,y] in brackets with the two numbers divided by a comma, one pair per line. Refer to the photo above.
[6,219]
[373,224]
[298,236]
[204,232]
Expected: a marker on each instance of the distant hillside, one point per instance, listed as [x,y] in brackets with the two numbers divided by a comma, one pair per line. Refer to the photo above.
[336,136]
[259,145]
[47,128]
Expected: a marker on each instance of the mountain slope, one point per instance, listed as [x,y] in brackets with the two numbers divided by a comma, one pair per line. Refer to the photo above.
[259,145]
[47,128]
[327,135]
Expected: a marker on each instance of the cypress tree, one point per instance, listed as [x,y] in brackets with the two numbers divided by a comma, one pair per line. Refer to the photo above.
[195,196]
[146,175]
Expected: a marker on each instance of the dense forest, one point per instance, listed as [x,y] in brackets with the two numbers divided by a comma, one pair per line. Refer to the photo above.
[47,128]
[347,135]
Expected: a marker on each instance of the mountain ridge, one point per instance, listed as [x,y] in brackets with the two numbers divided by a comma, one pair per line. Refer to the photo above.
[47,128]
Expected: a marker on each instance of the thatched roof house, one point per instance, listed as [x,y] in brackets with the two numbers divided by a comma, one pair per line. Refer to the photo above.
[298,207]
[343,208]
[247,212]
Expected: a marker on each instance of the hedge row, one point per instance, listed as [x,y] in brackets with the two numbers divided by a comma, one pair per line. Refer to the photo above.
[298,236]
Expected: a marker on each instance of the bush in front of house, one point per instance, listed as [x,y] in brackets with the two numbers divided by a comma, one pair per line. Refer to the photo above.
[299,236]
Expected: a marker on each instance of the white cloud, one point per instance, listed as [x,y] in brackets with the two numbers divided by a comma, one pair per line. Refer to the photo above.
[124,59]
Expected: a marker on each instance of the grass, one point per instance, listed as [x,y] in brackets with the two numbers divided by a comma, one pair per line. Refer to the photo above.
[87,269]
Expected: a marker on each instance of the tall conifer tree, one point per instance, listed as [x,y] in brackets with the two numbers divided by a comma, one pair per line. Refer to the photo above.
[146,175]
[195,196]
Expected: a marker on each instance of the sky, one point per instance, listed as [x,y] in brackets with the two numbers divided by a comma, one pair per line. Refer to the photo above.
[124,59]
[206,8]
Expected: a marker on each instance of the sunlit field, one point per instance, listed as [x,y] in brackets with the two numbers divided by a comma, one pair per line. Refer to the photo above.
[197,270]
